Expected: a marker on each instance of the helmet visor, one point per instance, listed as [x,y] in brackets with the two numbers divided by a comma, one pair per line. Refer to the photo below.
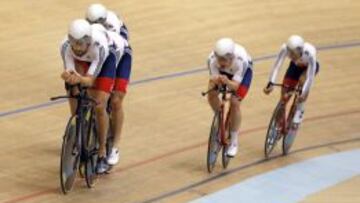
[226,57]
[99,20]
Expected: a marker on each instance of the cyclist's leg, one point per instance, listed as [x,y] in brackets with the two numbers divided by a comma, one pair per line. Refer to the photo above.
[213,98]
[235,112]
[122,78]
[102,118]
[303,78]
[300,108]
[291,80]
[117,114]
[101,92]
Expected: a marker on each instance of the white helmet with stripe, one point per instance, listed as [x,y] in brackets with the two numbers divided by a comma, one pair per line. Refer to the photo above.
[96,13]
[79,29]
[295,42]
[224,47]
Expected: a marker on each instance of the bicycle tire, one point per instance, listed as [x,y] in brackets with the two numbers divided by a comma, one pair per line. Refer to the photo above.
[69,162]
[92,148]
[214,145]
[291,132]
[225,158]
[271,138]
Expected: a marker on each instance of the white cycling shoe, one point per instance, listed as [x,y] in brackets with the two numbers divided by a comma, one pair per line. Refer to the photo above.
[113,157]
[233,147]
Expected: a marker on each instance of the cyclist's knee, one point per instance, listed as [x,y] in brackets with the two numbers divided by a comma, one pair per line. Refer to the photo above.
[285,97]
[101,99]
[212,96]
[235,103]
[100,108]
[117,100]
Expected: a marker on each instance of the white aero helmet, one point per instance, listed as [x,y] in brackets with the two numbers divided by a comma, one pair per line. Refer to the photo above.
[295,42]
[96,12]
[224,47]
[79,29]
[97,26]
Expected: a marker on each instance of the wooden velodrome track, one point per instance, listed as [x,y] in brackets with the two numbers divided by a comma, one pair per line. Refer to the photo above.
[167,121]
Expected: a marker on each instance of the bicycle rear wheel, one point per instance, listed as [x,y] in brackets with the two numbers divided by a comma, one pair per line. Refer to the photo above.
[92,148]
[214,145]
[291,132]
[225,157]
[273,134]
[70,157]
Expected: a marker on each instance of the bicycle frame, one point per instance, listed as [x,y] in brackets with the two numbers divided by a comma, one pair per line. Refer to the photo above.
[285,120]
[224,126]
[83,103]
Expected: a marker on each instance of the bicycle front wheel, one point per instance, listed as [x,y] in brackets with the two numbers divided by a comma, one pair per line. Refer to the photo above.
[273,133]
[70,157]
[92,149]
[225,157]
[214,145]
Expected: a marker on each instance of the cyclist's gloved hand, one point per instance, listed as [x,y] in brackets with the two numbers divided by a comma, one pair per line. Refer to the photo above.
[215,79]
[302,96]
[74,78]
[269,88]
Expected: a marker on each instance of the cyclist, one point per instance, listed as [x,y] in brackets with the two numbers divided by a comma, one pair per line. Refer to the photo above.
[88,61]
[229,64]
[97,13]
[124,61]
[302,70]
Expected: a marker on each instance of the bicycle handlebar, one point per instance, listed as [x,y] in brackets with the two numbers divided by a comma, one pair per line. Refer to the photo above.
[296,89]
[59,97]
[73,97]
[78,96]
[221,89]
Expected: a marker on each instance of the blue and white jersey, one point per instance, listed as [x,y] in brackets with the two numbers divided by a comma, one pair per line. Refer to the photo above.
[117,44]
[237,69]
[307,60]
[96,55]
[115,24]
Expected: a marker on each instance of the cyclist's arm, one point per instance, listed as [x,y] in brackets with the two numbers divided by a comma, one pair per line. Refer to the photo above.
[232,84]
[310,74]
[94,69]
[278,63]
[87,81]
[68,61]
[213,71]
[67,57]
